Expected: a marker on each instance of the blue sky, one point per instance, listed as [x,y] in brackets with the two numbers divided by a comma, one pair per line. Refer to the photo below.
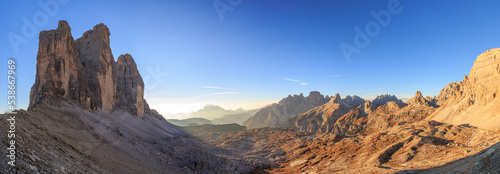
[263,50]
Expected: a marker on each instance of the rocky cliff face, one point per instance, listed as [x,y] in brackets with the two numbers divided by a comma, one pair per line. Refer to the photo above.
[130,87]
[419,100]
[354,100]
[474,100]
[287,108]
[86,72]
[59,72]
[339,117]
[99,65]
[382,99]
[322,118]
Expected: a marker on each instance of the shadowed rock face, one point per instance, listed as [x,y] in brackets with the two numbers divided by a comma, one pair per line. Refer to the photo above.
[99,64]
[59,72]
[130,87]
[85,71]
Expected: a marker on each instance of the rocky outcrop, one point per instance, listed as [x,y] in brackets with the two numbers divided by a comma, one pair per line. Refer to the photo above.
[354,100]
[338,117]
[130,87]
[86,72]
[474,100]
[382,99]
[419,100]
[316,99]
[321,119]
[353,122]
[289,107]
[98,62]
[59,72]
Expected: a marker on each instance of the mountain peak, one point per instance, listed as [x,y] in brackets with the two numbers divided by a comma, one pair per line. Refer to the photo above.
[84,70]
[419,100]
[337,98]
[63,25]
[383,99]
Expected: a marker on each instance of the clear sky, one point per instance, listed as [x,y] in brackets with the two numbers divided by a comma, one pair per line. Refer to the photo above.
[250,53]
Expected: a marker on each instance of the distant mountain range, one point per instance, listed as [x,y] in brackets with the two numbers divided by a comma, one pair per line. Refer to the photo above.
[213,111]
[288,107]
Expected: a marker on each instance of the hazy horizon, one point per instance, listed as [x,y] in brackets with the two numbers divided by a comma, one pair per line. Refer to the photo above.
[260,52]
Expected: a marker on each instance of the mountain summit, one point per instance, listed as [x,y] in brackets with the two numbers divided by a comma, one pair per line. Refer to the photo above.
[288,107]
[85,71]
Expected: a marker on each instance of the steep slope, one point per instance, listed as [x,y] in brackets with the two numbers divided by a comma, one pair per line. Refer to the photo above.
[105,125]
[63,137]
[287,108]
[475,100]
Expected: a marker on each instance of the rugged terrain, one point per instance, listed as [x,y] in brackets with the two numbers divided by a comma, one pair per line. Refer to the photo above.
[390,136]
[288,107]
[87,114]
[474,100]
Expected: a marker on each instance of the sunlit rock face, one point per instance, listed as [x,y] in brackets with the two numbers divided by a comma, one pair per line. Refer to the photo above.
[86,72]
[59,72]
[474,100]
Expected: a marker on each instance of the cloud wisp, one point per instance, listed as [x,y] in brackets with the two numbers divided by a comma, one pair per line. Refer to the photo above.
[214,87]
[294,80]
[216,93]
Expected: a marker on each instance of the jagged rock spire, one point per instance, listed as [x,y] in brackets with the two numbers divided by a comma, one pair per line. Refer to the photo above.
[85,71]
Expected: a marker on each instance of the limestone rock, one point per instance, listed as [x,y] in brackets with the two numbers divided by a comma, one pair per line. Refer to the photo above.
[59,72]
[382,99]
[86,72]
[353,122]
[289,107]
[316,99]
[354,100]
[98,62]
[322,118]
[419,100]
[474,100]
[130,87]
